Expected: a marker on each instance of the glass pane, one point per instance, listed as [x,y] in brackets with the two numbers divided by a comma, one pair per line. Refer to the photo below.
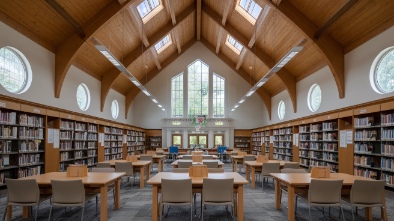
[202,140]
[176,139]
[218,140]
[193,139]
[385,73]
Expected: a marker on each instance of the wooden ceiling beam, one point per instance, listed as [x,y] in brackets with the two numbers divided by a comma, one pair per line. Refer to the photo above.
[198,20]
[277,2]
[155,58]
[113,73]
[334,18]
[227,8]
[291,85]
[175,36]
[134,91]
[68,49]
[241,58]
[77,27]
[258,25]
[331,50]
[170,11]
[136,17]
[262,92]
[219,41]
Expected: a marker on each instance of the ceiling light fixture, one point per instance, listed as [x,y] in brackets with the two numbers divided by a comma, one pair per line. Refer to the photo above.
[285,59]
[103,50]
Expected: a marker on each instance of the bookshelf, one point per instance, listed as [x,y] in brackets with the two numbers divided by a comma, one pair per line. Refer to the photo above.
[304,139]
[66,137]
[330,141]
[22,140]
[283,143]
[243,143]
[267,149]
[387,145]
[257,142]
[153,142]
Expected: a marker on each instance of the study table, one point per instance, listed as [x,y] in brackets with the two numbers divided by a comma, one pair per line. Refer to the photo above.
[175,163]
[197,182]
[159,159]
[302,180]
[254,164]
[182,156]
[141,165]
[92,182]
[237,159]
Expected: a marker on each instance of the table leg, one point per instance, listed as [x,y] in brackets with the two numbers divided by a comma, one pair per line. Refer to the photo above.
[155,190]
[253,177]
[368,213]
[142,175]
[240,208]
[103,203]
[9,213]
[25,212]
[233,164]
[383,213]
[159,169]
[290,201]
[277,194]
[117,194]
[247,172]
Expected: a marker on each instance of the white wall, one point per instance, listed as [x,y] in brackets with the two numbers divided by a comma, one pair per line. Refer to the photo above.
[42,89]
[357,86]
[147,115]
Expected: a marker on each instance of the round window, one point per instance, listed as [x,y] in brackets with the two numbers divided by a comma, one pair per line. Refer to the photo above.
[281,110]
[381,75]
[314,97]
[15,70]
[83,97]
[115,109]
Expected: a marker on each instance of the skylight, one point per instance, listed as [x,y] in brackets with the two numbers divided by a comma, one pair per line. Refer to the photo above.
[234,44]
[163,43]
[148,8]
[249,9]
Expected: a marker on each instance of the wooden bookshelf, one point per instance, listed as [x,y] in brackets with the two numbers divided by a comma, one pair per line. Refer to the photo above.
[242,140]
[258,142]
[153,139]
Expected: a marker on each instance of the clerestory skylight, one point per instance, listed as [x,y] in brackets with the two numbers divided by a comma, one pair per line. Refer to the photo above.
[249,9]
[234,44]
[149,8]
[163,43]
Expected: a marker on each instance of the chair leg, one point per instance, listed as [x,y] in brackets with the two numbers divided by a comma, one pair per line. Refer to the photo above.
[295,204]
[35,216]
[202,212]
[191,212]
[352,214]
[83,210]
[310,217]
[96,203]
[232,210]
[343,215]
[50,213]
[5,212]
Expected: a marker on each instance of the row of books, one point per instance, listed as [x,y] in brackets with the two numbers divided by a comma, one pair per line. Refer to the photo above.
[30,171]
[66,135]
[387,119]
[367,161]
[29,159]
[7,117]
[304,129]
[10,132]
[31,133]
[387,134]
[330,146]
[26,146]
[365,173]
[330,126]
[365,122]
[66,125]
[365,135]
[315,127]
[285,130]
[366,148]
[387,164]
[31,121]
[389,179]
[387,149]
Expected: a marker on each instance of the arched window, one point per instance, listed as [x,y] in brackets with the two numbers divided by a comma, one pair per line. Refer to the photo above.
[83,97]
[177,96]
[198,88]
[381,75]
[314,97]
[218,96]
[15,70]
[115,109]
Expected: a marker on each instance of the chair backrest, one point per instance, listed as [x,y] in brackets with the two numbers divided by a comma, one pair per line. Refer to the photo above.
[242,153]
[187,157]
[207,157]
[294,165]
[268,168]
[180,170]
[197,152]
[217,190]
[151,152]
[211,164]
[104,169]
[176,191]
[132,158]
[184,164]
[68,191]
[262,158]
[292,170]
[126,167]
[367,191]
[146,157]
[173,149]
[22,190]
[159,150]
[221,149]
[249,158]
[102,164]
[325,191]
[215,170]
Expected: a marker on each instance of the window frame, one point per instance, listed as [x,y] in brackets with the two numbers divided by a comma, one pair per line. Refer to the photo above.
[198,139]
[152,12]
[245,12]
[311,99]
[204,101]
[218,99]
[281,104]
[117,109]
[87,95]
[164,45]
[181,91]
[172,140]
[374,69]
[28,75]
[232,46]
[214,139]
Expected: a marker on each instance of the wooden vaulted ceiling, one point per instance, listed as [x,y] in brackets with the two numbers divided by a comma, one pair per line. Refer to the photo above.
[327,29]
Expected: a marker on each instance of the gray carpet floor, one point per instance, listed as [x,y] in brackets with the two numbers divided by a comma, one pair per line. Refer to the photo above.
[258,205]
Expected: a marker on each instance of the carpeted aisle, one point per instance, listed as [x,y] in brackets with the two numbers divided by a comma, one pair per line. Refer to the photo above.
[258,206]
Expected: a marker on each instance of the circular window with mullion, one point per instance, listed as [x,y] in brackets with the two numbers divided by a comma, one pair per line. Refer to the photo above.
[281,110]
[83,97]
[314,97]
[381,75]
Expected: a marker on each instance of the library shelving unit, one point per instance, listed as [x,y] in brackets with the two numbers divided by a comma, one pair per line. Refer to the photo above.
[330,141]
[257,142]
[267,148]
[283,143]
[387,145]
[22,140]
[129,143]
[138,141]
[153,142]
[275,142]
[304,139]
[316,144]
[66,137]
[242,143]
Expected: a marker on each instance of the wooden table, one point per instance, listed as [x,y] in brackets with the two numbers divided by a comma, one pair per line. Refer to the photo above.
[91,182]
[175,163]
[239,181]
[159,159]
[299,180]
[254,164]
[141,164]
[182,156]
[236,159]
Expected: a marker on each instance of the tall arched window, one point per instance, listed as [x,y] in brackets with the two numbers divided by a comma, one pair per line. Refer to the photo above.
[198,88]
[218,96]
[177,96]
